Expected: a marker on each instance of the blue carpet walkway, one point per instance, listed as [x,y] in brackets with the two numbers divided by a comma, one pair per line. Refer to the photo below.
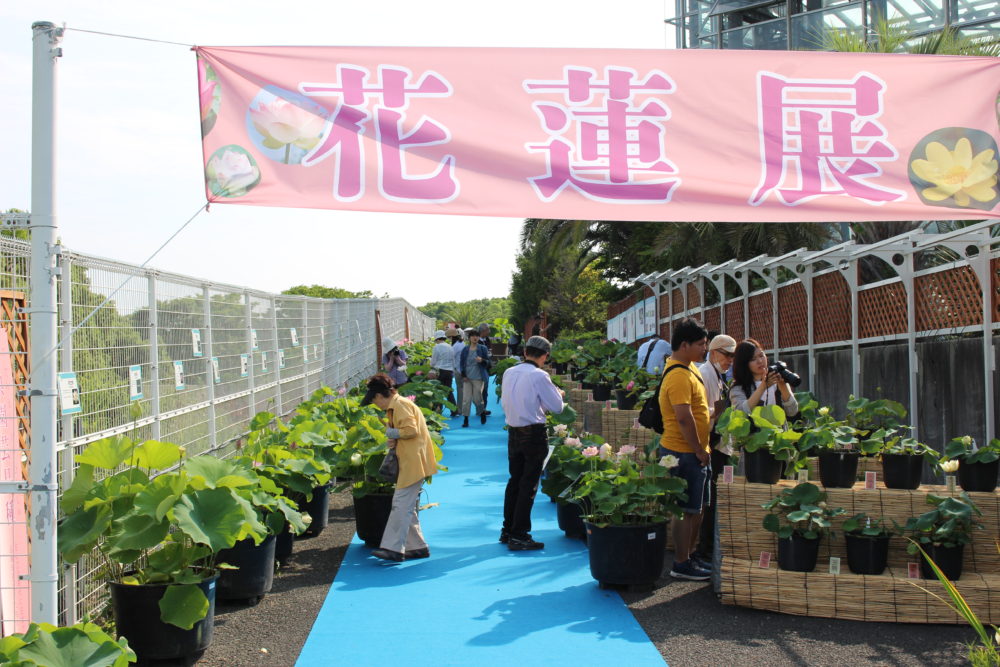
[473,601]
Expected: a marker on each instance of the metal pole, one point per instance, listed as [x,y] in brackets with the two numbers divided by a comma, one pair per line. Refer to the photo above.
[206,347]
[982,269]
[248,313]
[68,470]
[154,358]
[852,282]
[279,406]
[43,322]
[907,275]
[807,282]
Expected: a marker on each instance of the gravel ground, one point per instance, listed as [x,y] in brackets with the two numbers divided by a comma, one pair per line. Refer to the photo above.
[685,621]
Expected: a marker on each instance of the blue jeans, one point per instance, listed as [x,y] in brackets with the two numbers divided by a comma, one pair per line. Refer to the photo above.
[690,469]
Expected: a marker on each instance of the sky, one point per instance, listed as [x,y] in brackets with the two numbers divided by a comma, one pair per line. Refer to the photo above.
[129,163]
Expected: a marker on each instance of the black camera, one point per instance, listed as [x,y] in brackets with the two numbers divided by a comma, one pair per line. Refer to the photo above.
[781,368]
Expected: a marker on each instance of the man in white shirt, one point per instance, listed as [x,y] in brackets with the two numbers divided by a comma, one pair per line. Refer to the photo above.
[456,350]
[443,363]
[651,355]
[528,393]
[721,350]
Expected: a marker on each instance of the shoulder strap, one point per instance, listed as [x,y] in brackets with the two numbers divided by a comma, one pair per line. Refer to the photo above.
[652,344]
[685,367]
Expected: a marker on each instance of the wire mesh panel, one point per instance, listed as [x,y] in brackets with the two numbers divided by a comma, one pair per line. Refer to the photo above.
[265,355]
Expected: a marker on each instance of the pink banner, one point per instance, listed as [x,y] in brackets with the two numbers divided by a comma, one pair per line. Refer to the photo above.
[688,135]
[15,591]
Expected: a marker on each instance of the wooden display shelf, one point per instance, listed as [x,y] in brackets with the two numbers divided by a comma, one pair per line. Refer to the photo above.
[892,596]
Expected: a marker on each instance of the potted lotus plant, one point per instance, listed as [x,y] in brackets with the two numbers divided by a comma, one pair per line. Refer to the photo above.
[868,543]
[834,443]
[904,459]
[977,468]
[632,383]
[562,354]
[943,532]
[157,536]
[564,467]
[799,516]
[768,444]
[626,501]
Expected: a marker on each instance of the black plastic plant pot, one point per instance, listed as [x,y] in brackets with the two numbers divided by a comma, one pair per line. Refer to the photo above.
[602,392]
[797,553]
[838,470]
[867,554]
[949,559]
[978,476]
[371,513]
[589,386]
[902,471]
[627,555]
[284,544]
[570,520]
[255,575]
[137,617]
[319,509]
[625,402]
[762,468]
[560,368]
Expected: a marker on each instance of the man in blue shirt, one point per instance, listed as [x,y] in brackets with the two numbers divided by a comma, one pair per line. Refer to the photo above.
[651,355]
[528,393]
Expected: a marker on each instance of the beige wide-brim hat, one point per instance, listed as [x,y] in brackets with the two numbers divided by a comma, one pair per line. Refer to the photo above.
[724,343]
[438,334]
[388,344]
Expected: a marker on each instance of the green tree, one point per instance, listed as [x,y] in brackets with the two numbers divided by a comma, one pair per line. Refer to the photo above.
[323,292]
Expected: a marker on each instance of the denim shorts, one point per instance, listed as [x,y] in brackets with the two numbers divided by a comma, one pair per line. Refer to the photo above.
[696,475]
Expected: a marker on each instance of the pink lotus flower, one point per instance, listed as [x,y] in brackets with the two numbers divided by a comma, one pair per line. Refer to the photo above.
[418,372]
[342,391]
[573,442]
[233,171]
[630,385]
[411,397]
[283,123]
[627,450]
[590,452]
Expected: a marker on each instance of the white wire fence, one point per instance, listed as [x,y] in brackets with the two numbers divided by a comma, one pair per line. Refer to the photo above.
[195,360]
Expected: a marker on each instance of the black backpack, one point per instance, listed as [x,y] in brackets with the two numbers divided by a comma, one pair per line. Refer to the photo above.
[650,415]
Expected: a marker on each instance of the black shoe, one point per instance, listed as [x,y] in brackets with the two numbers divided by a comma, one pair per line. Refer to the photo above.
[525,544]
[465,422]
[388,554]
[482,418]
[504,537]
[417,553]
[488,413]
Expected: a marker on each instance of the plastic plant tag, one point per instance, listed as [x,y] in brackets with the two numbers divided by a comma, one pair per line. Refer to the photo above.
[607,404]
[650,536]
[834,565]
[949,480]
[727,474]
[870,480]
[590,396]
[765,560]
[912,571]
[635,423]
[803,475]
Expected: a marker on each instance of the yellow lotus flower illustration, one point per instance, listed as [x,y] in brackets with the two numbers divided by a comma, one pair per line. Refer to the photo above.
[957,173]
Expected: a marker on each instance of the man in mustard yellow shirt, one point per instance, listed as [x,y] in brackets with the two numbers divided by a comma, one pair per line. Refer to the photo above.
[684,407]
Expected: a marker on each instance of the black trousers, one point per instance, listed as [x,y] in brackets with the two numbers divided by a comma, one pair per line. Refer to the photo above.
[706,537]
[445,378]
[527,447]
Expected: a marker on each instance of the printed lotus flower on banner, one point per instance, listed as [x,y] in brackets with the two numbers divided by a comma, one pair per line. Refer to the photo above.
[285,125]
[231,172]
[209,95]
[957,168]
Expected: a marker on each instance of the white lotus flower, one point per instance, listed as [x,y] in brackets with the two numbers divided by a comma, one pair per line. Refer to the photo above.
[356,459]
[669,461]
[824,411]
[950,466]
[560,429]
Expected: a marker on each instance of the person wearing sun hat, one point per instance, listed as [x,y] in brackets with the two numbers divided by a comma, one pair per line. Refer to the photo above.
[443,363]
[721,351]
[394,361]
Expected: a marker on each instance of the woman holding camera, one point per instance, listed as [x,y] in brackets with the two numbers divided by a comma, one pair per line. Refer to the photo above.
[755,384]
[394,362]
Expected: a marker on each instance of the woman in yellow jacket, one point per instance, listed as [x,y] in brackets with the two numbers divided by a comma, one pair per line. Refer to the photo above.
[408,435]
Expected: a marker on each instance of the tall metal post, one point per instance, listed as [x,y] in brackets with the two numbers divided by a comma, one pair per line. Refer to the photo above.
[206,346]
[981,265]
[154,357]
[248,314]
[68,470]
[852,282]
[44,322]
[279,407]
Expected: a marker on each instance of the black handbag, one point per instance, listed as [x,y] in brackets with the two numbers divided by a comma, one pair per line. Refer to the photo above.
[389,470]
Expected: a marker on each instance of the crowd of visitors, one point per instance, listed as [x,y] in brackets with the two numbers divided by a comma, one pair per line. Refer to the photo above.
[702,374]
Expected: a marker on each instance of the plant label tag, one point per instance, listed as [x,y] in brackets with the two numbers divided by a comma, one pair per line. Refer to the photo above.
[590,396]
[834,565]
[650,536]
[803,476]
[849,445]
[912,571]
[635,423]
[607,404]
[765,560]
[950,481]
[727,474]
[870,480]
